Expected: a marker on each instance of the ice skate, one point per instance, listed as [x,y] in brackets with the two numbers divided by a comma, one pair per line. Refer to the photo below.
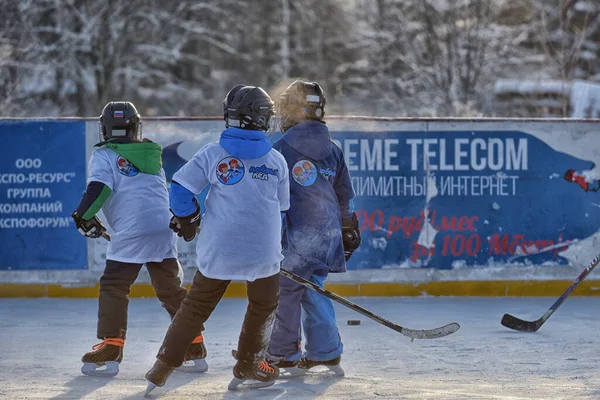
[333,365]
[195,358]
[288,369]
[158,375]
[108,354]
[258,374]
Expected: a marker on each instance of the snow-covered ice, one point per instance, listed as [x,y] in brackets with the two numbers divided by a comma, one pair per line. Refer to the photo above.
[42,341]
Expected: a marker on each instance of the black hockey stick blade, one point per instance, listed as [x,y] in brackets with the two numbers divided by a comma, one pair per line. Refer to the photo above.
[518,324]
[532,326]
[434,333]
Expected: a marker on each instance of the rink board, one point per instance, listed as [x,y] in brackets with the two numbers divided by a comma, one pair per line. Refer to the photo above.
[375,289]
[461,198]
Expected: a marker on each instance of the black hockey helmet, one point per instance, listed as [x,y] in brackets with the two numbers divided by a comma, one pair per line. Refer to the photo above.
[251,108]
[120,119]
[301,101]
[228,99]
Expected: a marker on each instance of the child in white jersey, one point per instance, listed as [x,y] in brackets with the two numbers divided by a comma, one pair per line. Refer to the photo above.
[249,189]
[127,182]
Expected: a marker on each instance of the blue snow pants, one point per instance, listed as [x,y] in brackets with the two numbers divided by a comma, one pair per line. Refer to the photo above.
[299,308]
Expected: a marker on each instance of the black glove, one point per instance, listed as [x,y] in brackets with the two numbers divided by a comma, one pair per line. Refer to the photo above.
[350,235]
[91,228]
[186,227]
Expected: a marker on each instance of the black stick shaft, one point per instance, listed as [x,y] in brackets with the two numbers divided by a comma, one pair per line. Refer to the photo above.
[575,283]
[341,300]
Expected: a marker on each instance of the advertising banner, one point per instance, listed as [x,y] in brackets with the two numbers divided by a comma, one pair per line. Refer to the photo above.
[443,195]
[451,198]
[42,177]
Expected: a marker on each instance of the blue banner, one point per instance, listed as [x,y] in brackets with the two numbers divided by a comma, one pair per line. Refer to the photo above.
[453,199]
[42,178]
[464,199]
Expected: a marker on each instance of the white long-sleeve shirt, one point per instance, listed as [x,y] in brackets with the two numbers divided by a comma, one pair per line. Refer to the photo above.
[137,209]
[240,235]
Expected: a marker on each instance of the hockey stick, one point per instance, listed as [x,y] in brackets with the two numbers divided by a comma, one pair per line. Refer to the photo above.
[532,326]
[411,333]
[106,236]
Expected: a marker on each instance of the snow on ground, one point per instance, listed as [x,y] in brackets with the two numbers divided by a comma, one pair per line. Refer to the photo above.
[42,341]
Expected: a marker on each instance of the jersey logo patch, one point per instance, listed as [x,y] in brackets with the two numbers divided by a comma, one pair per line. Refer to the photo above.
[262,172]
[327,172]
[304,173]
[126,168]
[230,170]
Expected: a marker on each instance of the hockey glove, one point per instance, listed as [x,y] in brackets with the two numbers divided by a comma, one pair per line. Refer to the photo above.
[350,235]
[186,227]
[91,228]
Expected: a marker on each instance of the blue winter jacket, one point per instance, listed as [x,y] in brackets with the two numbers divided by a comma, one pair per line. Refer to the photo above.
[320,193]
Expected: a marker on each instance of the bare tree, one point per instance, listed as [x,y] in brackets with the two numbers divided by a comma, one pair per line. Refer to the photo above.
[13,50]
[83,53]
[69,57]
[422,58]
[448,54]
[564,38]
[385,57]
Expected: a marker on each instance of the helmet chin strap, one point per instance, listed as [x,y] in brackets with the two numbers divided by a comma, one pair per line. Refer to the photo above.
[100,132]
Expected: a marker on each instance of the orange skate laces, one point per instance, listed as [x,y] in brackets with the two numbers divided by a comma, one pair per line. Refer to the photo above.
[109,341]
[265,367]
[198,339]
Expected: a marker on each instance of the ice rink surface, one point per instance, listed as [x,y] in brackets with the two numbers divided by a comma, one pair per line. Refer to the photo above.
[42,341]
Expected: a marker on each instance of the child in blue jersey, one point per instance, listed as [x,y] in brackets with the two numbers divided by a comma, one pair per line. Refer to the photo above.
[249,188]
[320,233]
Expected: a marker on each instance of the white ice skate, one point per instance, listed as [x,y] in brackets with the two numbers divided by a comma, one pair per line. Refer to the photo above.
[249,375]
[295,369]
[289,369]
[108,369]
[195,358]
[332,365]
[241,384]
[105,358]
[157,376]
[198,365]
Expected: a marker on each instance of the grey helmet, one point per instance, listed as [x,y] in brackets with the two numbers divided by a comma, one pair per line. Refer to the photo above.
[251,108]
[301,101]
[120,119]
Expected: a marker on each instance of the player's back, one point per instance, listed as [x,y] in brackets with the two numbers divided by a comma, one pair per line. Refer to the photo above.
[320,182]
[241,227]
[138,206]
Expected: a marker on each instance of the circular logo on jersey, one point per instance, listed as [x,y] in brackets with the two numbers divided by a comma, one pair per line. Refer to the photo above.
[230,170]
[304,173]
[126,168]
